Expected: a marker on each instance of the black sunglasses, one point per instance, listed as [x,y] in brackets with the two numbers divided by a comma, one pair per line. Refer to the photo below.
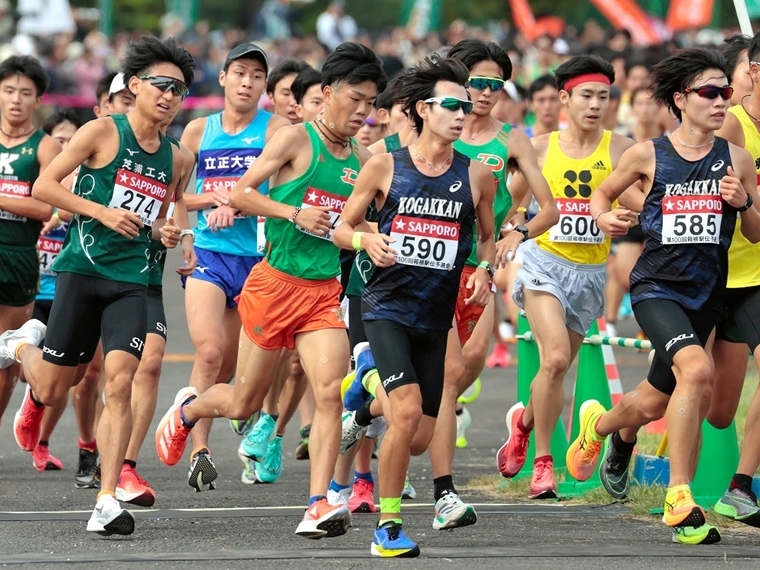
[167,83]
[711,91]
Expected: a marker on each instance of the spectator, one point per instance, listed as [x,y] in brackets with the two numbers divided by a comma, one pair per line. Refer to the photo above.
[7,23]
[334,26]
[274,19]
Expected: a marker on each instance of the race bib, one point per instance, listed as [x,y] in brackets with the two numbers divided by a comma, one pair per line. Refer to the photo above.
[575,223]
[261,240]
[221,182]
[425,243]
[691,219]
[138,194]
[333,202]
[14,189]
[48,249]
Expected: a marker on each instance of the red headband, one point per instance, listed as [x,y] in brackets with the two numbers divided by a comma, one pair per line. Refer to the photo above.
[586,78]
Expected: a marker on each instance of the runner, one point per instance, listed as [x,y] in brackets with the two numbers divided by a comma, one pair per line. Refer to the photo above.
[225,145]
[307,91]
[24,152]
[561,283]
[280,88]
[423,192]
[291,299]
[127,173]
[678,283]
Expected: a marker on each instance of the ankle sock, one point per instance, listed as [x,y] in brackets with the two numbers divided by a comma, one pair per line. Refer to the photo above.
[371,381]
[316,498]
[337,487]
[91,447]
[363,416]
[364,476]
[130,463]
[737,481]
[622,446]
[442,486]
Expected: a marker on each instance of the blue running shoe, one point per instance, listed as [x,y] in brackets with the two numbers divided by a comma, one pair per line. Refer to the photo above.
[356,396]
[256,441]
[391,542]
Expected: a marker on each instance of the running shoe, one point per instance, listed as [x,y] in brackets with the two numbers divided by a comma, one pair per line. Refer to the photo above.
[705,534]
[171,435]
[202,474]
[31,332]
[323,520]
[739,504]
[391,542]
[131,488]
[356,395]
[614,470]
[626,310]
[43,461]
[256,441]
[109,518]
[611,329]
[376,429]
[681,510]
[464,421]
[88,470]
[27,423]
[352,432]
[542,483]
[500,356]
[242,426]
[362,498]
[302,450]
[409,492]
[269,470]
[511,457]
[471,394]
[248,477]
[451,512]
[583,454]
[338,497]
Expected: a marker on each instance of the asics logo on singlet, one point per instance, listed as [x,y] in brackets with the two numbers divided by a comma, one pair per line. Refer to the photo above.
[392,379]
[456,186]
[679,338]
[5,162]
[717,166]
[52,352]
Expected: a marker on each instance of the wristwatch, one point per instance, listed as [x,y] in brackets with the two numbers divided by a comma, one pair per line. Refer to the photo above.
[524,231]
[184,233]
[747,204]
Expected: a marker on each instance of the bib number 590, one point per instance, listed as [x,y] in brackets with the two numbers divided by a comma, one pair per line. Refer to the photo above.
[422,248]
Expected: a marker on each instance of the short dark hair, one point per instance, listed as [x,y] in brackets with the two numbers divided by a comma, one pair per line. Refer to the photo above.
[391,95]
[731,50]
[149,50]
[420,82]
[353,63]
[304,81]
[753,52]
[58,117]
[582,65]
[473,51]
[635,62]
[541,82]
[287,67]
[104,86]
[26,66]
[675,73]
[638,90]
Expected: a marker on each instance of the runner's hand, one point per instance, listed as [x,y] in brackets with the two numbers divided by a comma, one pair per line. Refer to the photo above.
[376,246]
[314,220]
[480,285]
[189,260]
[221,196]
[50,225]
[506,248]
[617,222]
[518,219]
[169,234]
[731,189]
[121,221]
[222,217]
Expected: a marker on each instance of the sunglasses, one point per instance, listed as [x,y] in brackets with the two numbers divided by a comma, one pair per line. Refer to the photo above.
[451,104]
[166,84]
[493,83]
[711,91]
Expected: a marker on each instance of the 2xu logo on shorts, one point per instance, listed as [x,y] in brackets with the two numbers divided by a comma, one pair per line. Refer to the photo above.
[676,339]
[52,352]
[583,178]
[392,379]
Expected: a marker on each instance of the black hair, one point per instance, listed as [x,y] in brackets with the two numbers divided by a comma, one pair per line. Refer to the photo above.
[303,81]
[104,86]
[614,93]
[58,117]
[582,65]
[473,51]
[353,63]
[732,49]
[26,66]
[635,62]
[638,90]
[149,50]
[547,80]
[677,72]
[420,82]
[287,67]
[753,52]
[392,94]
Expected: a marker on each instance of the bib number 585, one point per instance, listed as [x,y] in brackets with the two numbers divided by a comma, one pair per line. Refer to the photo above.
[695,225]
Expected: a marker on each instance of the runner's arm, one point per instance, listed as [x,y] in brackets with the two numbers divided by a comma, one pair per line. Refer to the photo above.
[747,174]
[485,190]
[30,207]
[178,163]
[191,139]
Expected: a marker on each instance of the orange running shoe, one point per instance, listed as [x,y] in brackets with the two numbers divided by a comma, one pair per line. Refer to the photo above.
[171,435]
[27,424]
[322,520]
[583,454]
[680,508]
[131,488]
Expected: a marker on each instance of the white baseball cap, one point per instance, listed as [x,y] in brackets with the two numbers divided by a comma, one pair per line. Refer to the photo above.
[117,84]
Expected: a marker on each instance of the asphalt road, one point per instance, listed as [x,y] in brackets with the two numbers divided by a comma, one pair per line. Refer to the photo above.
[43,517]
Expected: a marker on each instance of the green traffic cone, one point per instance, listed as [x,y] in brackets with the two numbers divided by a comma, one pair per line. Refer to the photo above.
[718,460]
[528,363]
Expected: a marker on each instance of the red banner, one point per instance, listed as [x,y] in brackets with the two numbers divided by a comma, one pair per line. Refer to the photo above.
[522,16]
[686,14]
[627,15]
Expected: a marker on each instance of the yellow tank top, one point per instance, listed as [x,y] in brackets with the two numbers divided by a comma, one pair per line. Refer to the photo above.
[743,256]
[572,181]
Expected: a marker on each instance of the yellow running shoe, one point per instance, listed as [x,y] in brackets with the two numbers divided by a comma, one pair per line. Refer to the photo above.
[472,393]
[705,534]
[583,454]
[345,384]
[680,508]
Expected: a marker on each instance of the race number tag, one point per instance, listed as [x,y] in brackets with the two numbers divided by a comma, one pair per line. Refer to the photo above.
[575,223]
[48,250]
[138,194]
[333,202]
[14,189]
[691,219]
[261,240]
[425,243]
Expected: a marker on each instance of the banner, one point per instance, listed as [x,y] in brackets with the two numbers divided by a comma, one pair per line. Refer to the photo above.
[628,15]
[422,16]
[522,16]
[687,14]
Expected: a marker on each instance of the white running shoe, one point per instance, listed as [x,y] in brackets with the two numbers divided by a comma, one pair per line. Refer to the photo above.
[31,332]
[109,518]
[451,512]
[464,421]
[352,432]
[338,497]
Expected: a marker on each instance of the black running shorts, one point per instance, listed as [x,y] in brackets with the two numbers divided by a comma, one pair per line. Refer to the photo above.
[740,321]
[156,313]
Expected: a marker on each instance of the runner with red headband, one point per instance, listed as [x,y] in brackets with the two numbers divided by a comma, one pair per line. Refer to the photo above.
[561,284]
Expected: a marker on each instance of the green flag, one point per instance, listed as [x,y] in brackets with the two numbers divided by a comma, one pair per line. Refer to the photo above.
[423,16]
[753,8]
